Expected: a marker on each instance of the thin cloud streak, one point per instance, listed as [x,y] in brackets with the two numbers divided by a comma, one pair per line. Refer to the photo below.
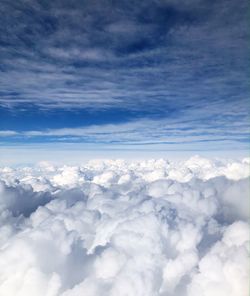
[97,58]
[145,132]
[137,73]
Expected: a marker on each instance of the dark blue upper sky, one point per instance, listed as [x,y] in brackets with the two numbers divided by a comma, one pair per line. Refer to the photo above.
[127,73]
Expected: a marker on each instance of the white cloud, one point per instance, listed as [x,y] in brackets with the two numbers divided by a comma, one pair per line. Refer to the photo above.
[223,270]
[8,133]
[112,227]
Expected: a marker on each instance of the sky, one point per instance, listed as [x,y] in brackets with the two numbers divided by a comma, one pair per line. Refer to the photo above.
[141,77]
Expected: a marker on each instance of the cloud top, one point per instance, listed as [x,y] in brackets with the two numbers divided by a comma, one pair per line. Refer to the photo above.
[113,227]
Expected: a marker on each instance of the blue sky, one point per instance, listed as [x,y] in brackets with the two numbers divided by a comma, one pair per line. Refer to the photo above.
[124,75]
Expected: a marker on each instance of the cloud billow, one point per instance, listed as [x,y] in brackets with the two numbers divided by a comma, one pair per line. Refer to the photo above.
[125,228]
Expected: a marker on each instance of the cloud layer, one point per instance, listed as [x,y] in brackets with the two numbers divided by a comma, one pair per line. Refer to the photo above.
[111,227]
[107,54]
[125,72]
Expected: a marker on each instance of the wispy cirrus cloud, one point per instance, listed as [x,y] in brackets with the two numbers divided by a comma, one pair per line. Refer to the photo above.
[106,55]
[125,73]
[190,133]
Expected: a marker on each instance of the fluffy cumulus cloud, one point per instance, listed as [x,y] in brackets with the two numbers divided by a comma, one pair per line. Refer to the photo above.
[110,227]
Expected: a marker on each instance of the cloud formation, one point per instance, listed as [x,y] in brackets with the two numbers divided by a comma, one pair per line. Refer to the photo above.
[168,133]
[155,70]
[105,54]
[111,227]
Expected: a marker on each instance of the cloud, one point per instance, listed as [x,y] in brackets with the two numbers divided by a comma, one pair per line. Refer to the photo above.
[168,133]
[150,56]
[21,200]
[7,133]
[111,227]
[220,273]
[151,73]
